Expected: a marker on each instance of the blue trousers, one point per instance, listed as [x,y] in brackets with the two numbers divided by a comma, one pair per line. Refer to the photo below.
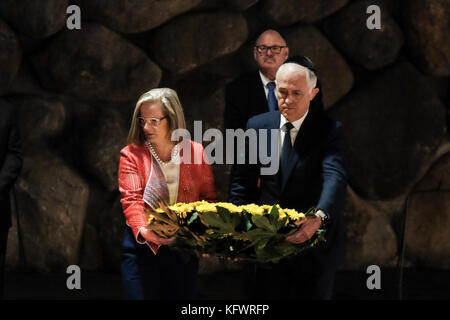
[146,276]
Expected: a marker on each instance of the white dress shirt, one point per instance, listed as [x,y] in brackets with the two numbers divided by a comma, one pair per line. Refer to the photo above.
[265,81]
[294,131]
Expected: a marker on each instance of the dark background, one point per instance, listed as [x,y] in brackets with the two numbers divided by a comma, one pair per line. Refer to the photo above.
[75,90]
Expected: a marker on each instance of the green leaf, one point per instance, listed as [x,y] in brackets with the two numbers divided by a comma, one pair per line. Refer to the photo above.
[163,230]
[281,223]
[264,223]
[163,217]
[224,214]
[274,214]
[255,234]
[215,221]
[247,222]
[311,212]
[261,244]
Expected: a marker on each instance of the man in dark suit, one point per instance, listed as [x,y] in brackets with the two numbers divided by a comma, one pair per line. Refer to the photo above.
[253,93]
[312,173]
[11,159]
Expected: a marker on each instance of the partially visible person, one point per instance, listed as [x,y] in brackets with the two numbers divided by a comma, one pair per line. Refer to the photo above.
[11,160]
[151,172]
[254,93]
[312,173]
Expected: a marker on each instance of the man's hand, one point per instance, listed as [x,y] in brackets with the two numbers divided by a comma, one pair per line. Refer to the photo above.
[150,236]
[309,226]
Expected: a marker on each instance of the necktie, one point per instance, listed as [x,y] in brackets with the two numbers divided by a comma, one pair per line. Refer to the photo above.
[286,150]
[271,99]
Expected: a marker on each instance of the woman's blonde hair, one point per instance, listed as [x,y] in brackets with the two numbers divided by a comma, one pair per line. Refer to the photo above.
[171,108]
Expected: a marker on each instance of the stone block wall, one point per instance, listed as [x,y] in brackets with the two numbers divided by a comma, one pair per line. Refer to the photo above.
[75,90]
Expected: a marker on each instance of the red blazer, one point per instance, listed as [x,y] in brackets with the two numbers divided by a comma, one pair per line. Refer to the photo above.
[196,183]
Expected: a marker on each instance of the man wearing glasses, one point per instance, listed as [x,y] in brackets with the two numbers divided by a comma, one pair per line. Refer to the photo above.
[254,93]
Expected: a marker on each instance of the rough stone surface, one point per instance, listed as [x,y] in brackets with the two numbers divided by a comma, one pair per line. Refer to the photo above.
[372,49]
[9,59]
[288,12]
[390,133]
[438,177]
[133,16]
[51,203]
[334,72]
[427,25]
[370,238]
[35,18]
[96,64]
[201,37]
[239,5]
[205,110]
[24,83]
[40,120]
[212,76]
[101,147]
[426,234]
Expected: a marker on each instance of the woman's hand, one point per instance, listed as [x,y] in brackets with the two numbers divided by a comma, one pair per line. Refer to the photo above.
[150,236]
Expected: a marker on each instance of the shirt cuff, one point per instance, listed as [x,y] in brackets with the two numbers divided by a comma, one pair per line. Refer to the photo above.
[324,216]
[139,238]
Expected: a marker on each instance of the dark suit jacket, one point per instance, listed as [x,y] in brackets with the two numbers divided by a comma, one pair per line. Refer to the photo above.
[11,159]
[317,176]
[244,98]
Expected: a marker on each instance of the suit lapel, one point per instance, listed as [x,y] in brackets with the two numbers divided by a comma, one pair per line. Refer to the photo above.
[261,105]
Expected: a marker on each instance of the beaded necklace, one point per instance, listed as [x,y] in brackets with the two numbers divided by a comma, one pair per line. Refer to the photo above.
[172,154]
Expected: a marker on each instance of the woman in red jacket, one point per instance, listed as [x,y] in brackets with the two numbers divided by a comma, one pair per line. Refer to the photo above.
[154,168]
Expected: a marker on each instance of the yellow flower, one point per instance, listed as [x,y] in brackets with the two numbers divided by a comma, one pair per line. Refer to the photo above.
[293,215]
[229,206]
[253,209]
[181,209]
[266,207]
[197,203]
[207,207]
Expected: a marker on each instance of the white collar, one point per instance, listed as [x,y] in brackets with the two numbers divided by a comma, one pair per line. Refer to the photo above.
[264,79]
[297,123]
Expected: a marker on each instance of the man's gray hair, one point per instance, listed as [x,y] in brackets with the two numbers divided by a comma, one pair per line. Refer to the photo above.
[311,77]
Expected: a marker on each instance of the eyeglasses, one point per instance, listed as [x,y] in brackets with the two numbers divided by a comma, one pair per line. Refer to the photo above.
[273,49]
[154,122]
